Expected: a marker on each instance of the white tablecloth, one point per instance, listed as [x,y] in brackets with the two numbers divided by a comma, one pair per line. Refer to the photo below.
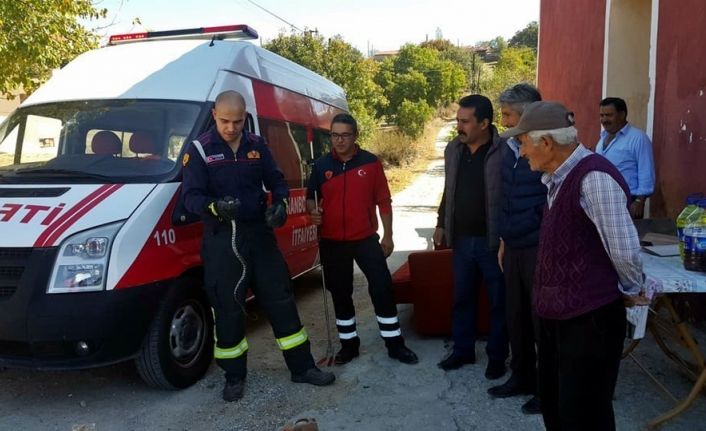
[667,275]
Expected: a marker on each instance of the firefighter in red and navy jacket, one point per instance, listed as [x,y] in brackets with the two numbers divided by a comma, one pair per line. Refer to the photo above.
[224,173]
[350,183]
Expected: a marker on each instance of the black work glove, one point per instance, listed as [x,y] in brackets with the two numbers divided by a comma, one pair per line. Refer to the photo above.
[276,215]
[226,208]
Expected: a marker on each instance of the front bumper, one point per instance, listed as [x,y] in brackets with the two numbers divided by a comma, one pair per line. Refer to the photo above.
[42,331]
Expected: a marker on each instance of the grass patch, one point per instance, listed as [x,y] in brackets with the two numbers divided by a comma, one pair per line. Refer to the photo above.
[403,157]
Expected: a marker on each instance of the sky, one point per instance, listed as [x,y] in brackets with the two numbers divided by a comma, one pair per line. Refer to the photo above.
[380,25]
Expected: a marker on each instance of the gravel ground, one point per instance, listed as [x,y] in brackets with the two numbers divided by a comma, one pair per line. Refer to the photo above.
[371,393]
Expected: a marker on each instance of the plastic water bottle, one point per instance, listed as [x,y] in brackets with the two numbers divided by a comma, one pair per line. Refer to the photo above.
[686,216]
[695,241]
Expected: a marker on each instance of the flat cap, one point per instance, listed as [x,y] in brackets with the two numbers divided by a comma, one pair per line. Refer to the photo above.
[541,116]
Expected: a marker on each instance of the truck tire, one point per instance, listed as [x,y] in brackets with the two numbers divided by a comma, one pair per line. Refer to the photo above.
[178,347]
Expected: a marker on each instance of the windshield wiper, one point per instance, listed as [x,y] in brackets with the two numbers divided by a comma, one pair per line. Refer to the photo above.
[64,173]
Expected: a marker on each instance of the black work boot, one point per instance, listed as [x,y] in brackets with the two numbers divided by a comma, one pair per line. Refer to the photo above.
[349,350]
[314,376]
[233,390]
[532,407]
[455,361]
[396,349]
[495,369]
[514,386]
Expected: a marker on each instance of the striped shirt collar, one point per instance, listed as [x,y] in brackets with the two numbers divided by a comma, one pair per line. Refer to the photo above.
[554,180]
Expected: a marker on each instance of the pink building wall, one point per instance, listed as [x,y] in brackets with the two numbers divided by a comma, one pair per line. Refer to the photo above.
[570,67]
[679,136]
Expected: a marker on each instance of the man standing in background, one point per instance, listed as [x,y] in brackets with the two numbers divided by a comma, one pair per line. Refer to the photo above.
[524,198]
[630,150]
[468,219]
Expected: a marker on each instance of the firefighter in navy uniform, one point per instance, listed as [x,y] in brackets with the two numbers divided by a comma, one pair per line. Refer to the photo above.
[224,173]
[351,183]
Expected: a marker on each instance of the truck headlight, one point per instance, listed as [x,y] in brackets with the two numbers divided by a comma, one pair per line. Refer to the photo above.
[82,262]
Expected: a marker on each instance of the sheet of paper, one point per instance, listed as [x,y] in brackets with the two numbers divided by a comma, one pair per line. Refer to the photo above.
[637,317]
[663,250]
[660,239]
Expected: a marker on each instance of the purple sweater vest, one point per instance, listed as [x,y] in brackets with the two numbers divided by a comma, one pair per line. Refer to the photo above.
[574,273]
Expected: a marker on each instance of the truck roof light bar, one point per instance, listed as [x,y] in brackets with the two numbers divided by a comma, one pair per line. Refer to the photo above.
[239,31]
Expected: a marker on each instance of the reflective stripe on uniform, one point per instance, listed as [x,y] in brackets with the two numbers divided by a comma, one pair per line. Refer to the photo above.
[199,148]
[387,320]
[388,334]
[347,322]
[347,335]
[231,353]
[292,341]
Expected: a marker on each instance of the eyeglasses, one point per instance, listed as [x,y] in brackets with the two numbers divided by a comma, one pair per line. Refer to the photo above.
[335,136]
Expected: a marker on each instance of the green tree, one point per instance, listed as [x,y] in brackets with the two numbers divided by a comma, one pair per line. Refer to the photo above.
[340,62]
[465,57]
[37,36]
[515,65]
[416,74]
[526,38]
[411,86]
[498,44]
[306,49]
[413,116]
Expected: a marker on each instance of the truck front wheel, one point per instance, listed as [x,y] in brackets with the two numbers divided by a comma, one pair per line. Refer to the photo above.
[178,347]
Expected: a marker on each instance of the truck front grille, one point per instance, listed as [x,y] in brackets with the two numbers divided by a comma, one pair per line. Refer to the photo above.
[12,266]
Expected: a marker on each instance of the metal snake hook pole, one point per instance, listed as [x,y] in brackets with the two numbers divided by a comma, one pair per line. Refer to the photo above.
[234,246]
[327,360]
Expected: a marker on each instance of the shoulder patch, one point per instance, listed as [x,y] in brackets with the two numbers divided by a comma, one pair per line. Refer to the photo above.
[254,154]
[328,174]
[185,159]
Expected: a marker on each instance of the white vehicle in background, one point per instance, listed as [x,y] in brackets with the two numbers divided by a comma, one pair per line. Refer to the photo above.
[98,263]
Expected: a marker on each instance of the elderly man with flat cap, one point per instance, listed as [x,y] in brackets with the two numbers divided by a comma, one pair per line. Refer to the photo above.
[588,269]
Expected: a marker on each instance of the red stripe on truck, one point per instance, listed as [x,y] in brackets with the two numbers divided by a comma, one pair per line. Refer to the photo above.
[59,226]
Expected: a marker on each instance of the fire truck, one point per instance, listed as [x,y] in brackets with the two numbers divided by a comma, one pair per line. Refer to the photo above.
[98,262]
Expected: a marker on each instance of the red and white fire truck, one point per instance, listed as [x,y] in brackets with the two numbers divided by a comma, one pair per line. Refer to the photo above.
[97,262]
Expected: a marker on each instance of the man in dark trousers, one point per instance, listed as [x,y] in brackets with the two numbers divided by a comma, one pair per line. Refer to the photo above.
[225,170]
[524,197]
[350,184]
[588,269]
[468,223]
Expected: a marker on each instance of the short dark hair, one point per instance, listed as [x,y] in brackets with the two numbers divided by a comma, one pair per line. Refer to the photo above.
[520,95]
[618,103]
[482,107]
[346,119]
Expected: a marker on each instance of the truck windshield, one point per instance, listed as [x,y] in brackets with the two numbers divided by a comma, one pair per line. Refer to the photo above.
[115,140]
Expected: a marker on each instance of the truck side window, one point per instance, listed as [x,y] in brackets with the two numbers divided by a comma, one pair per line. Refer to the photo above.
[249,124]
[322,142]
[287,142]
[174,146]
